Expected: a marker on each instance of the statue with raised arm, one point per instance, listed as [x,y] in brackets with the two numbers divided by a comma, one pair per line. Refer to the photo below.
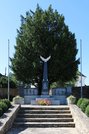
[45,76]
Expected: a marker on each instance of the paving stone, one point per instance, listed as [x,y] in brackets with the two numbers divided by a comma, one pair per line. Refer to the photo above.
[43,131]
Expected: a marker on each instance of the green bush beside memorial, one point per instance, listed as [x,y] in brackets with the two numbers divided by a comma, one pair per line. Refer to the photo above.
[84,104]
[79,102]
[4,106]
[87,111]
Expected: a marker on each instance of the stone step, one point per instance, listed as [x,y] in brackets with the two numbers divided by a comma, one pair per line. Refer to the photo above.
[45,115]
[44,119]
[43,111]
[45,108]
[44,124]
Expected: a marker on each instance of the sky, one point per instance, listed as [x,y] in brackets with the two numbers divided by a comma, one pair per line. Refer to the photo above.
[76,13]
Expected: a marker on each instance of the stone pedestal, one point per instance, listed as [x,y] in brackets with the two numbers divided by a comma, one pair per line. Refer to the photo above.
[55,99]
[45,88]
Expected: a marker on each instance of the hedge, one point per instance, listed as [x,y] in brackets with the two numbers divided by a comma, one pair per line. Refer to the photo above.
[4,106]
[79,102]
[87,111]
[84,104]
[7,102]
[1,112]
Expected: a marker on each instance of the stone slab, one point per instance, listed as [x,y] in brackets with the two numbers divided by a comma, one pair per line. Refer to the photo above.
[43,131]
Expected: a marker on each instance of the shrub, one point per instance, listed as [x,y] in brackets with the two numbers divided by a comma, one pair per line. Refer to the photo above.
[3,106]
[87,111]
[84,104]
[7,102]
[1,112]
[79,102]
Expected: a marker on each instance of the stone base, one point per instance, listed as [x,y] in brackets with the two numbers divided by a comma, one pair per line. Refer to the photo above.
[55,100]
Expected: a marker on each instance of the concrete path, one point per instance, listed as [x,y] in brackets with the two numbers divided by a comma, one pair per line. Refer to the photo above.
[44,131]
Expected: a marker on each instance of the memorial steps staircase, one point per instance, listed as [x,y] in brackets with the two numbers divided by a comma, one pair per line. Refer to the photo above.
[44,117]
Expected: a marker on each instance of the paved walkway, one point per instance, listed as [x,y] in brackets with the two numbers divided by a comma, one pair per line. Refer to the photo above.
[44,131]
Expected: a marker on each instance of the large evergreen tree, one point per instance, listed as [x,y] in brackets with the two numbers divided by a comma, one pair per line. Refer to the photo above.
[44,33]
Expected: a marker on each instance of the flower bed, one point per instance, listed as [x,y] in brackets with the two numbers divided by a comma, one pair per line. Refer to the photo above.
[43,102]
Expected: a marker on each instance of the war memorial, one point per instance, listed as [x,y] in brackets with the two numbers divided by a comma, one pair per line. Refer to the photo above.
[55,96]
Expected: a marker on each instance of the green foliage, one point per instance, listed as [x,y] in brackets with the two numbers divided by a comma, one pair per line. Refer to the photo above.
[3,106]
[7,102]
[87,111]
[79,102]
[4,82]
[44,33]
[84,104]
[1,112]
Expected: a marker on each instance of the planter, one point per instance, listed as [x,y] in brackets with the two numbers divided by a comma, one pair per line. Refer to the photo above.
[18,100]
[71,99]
